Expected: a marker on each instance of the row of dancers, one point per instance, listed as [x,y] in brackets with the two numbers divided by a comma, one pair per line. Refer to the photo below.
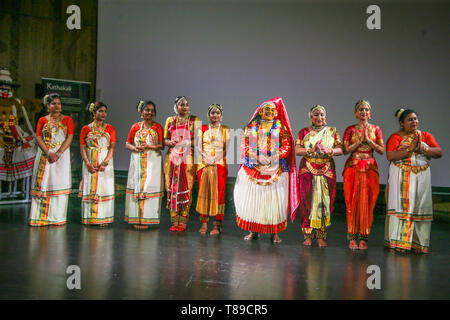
[268,190]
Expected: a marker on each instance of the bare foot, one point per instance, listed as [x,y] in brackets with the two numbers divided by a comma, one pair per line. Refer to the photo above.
[400,250]
[139,226]
[322,243]
[353,245]
[174,228]
[251,236]
[204,228]
[215,231]
[307,242]
[363,245]
[275,238]
[104,225]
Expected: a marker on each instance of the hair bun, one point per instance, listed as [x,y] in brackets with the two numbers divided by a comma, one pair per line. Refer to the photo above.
[140,105]
[398,113]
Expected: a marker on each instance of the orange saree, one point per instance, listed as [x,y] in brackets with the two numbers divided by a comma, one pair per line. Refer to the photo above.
[361,182]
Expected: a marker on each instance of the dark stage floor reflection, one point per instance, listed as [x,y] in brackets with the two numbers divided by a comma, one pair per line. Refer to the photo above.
[122,263]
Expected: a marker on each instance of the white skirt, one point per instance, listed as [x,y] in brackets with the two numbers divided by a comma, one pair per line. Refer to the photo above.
[49,210]
[261,208]
[142,211]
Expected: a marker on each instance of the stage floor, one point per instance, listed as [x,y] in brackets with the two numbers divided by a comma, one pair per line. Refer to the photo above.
[122,263]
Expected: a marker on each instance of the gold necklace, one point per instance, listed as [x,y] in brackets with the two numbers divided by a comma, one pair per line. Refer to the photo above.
[97,128]
[145,127]
[51,119]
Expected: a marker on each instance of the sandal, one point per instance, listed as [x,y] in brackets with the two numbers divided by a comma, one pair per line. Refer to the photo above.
[140,227]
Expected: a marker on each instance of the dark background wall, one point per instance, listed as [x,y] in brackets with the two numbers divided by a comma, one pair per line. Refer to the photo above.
[240,53]
[35,42]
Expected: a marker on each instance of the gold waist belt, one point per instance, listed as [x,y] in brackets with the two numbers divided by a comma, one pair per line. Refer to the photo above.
[52,145]
[318,160]
[98,148]
[362,156]
[415,169]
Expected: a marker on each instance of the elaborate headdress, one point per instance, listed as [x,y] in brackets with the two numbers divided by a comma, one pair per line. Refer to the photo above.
[294,198]
[5,79]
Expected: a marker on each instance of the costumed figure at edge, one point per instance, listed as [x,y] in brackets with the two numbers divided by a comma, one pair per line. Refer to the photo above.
[17,148]
[145,180]
[212,171]
[97,145]
[317,175]
[361,180]
[409,202]
[266,188]
[52,176]
[179,166]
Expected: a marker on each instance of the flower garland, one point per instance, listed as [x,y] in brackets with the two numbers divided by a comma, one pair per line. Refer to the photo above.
[273,134]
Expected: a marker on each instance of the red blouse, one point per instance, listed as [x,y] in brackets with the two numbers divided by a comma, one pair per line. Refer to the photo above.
[86,129]
[66,120]
[395,139]
[136,127]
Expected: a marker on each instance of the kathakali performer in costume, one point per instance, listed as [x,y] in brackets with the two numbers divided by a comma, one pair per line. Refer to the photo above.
[179,165]
[317,175]
[212,171]
[145,179]
[409,201]
[52,176]
[361,180]
[17,147]
[266,188]
[97,145]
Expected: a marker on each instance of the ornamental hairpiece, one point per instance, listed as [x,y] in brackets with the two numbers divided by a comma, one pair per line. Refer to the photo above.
[362,102]
[317,107]
[399,114]
[140,105]
[178,99]
[45,99]
[215,106]
[91,107]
